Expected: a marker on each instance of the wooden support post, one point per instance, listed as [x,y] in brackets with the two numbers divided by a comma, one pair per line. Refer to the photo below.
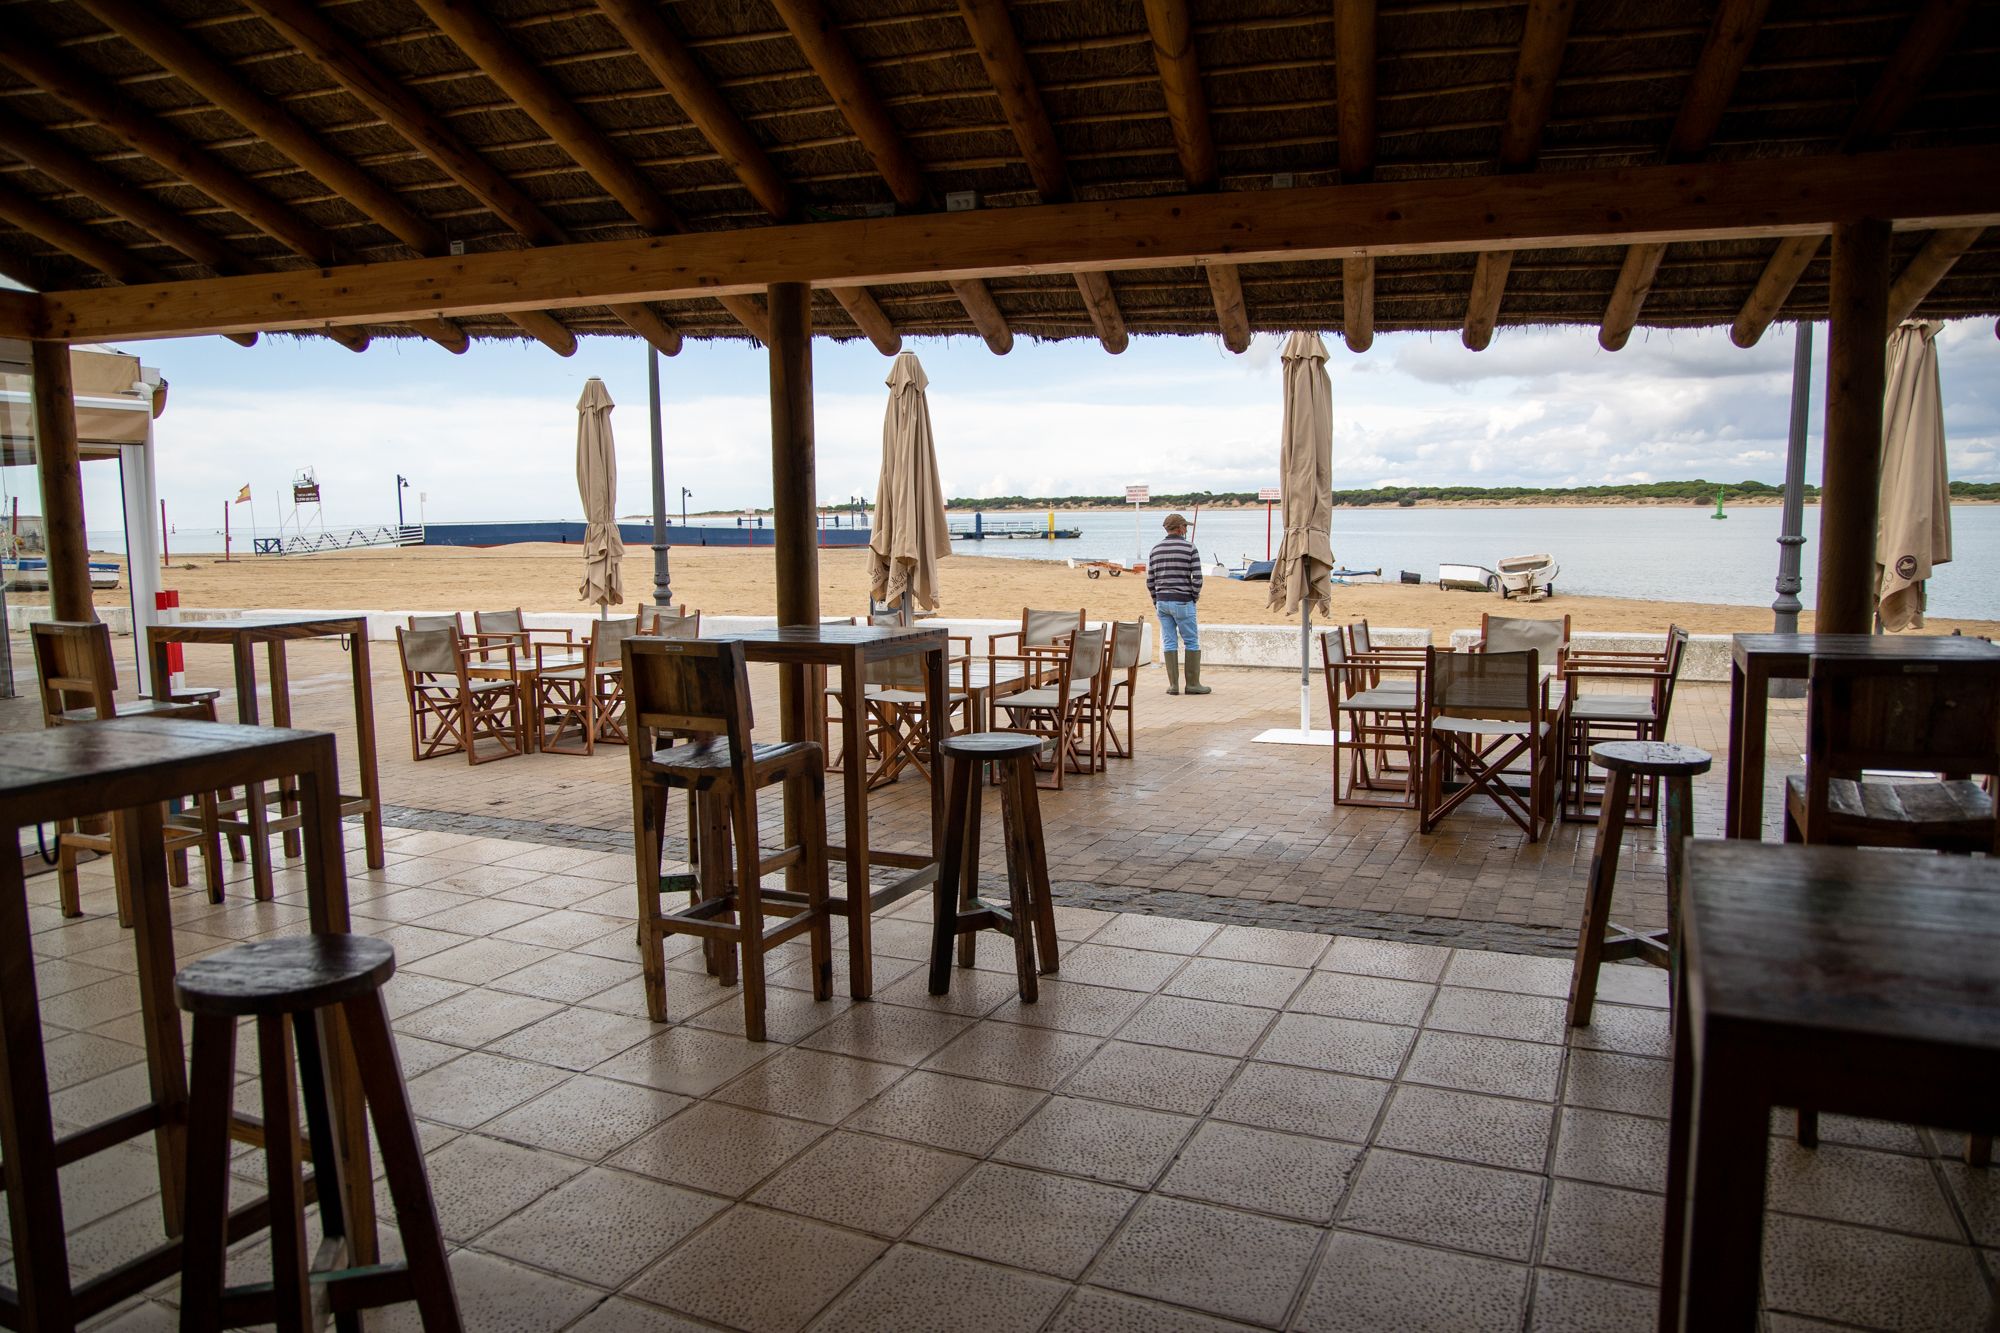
[794,532]
[62,483]
[1850,483]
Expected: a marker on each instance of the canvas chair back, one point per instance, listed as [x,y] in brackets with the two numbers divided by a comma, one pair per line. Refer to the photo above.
[73,663]
[498,622]
[1046,627]
[1333,653]
[607,640]
[454,622]
[429,652]
[697,687]
[665,624]
[1677,642]
[1513,634]
[1126,636]
[1933,717]
[1357,637]
[1487,686]
[1087,655]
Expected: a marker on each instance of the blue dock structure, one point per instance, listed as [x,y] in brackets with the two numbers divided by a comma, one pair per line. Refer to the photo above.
[1029,529]
[743,532]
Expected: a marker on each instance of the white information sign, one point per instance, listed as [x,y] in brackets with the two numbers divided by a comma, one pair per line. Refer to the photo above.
[1136,495]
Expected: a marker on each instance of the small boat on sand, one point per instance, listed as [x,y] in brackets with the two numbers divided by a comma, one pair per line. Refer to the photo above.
[1252,571]
[1528,575]
[31,574]
[1467,578]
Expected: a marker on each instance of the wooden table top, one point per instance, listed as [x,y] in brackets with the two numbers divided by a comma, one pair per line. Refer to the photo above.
[257,628]
[1840,940]
[68,772]
[825,643]
[1883,647]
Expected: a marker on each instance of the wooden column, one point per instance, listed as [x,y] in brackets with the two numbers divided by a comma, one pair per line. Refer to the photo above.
[793,490]
[1852,459]
[62,483]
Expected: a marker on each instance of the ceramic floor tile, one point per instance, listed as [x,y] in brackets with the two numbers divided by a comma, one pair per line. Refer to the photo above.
[477,1181]
[1620,1027]
[495,1296]
[1632,983]
[790,1016]
[1489,1013]
[721,1149]
[1978,1194]
[1606,1081]
[602,1226]
[1073,1006]
[973,993]
[1135,931]
[1453,1204]
[1233,1264]
[79,1057]
[1342,1045]
[1235,982]
[620,1315]
[567,977]
[1303,1101]
[887,1032]
[1120,1144]
[1572,1303]
[960,1114]
[1385,958]
[1026,1219]
[1164,1080]
[1468,1127]
[685,1060]
[1010,1053]
[1486,1064]
[803,1265]
[1856,1276]
[478,961]
[1366,1284]
[1197,1025]
[586,1116]
[1286,1175]
[864,1183]
[476,1087]
[1854,1132]
[914,1290]
[575,1039]
[1374,999]
[1612,1149]
[1836,1184]
[1100,964]
[1605,1232]
[1508,972]
[1090,1310]
[472,1018]
[811,1085]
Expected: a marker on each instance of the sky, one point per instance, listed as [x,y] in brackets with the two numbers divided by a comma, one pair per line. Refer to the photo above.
[491,434]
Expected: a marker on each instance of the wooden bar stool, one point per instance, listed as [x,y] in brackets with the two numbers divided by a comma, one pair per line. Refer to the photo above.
[1601,940]
[298,979]
[960,913]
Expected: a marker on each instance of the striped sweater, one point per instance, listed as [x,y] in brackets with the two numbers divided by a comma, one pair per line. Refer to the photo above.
[1173,571]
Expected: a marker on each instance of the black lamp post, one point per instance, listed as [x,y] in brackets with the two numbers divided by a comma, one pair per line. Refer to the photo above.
[685,493]
[402,484]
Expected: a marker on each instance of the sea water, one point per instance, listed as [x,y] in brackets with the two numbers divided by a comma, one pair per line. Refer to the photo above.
[1657,553]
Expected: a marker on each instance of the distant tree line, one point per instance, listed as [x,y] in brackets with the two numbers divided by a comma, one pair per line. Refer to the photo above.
[1690,492]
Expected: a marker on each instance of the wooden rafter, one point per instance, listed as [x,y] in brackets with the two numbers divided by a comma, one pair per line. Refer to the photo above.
[1895,91]
[1172,33]
[660,48]
[1926,268]
[1354,91]
[861,106]
[1730,37]
[487,45]
[1923,189]
[1543,40]
[999,48]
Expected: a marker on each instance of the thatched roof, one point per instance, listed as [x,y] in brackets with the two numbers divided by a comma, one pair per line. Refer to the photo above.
[1444,70]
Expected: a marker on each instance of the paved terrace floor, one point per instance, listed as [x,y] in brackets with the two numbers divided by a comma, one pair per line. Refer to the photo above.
[1202,824]
[1199,1128]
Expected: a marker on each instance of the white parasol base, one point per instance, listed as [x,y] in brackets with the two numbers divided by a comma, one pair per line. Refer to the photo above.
[1292,736]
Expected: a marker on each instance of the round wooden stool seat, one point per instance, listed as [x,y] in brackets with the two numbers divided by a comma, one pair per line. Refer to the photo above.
[1651,758]
[975,746]
[300,972]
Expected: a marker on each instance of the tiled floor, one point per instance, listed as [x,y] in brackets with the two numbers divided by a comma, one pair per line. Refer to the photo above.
[1198,1128]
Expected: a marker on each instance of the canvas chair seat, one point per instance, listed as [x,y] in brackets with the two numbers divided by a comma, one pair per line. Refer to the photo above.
[1612,708]
[1921,809]
[1384,698]
[449,689]
[1038,698]
[1486,726]
[910,698]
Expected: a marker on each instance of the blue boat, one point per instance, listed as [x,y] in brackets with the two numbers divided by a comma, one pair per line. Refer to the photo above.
[31,574]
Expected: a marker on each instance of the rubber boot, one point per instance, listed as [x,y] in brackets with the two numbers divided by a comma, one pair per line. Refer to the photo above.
[1194,685]
[1173,673]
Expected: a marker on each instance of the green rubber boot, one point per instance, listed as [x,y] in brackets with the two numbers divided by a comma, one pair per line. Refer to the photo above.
[1194,685]
[1173,673]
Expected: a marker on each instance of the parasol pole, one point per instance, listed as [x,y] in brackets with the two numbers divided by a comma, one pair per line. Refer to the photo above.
[1305,668]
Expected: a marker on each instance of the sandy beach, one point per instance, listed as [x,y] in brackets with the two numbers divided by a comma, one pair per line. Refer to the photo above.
[741,582]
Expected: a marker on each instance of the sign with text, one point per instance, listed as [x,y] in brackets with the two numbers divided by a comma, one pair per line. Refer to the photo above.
[1136,495]
[1271,494]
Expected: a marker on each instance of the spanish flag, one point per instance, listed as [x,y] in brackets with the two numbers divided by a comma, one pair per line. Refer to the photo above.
[243,495]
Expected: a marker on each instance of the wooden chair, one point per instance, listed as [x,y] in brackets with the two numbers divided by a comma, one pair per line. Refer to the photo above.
[1380,705]
[701,688]
[1064,712]
[1128,638]
[1482,713]
[450,711]
[78,684]
[1866,716]
[452,620]
[1361,646]
[578,706]
[1039,629]
[1512,634]
[669,622]
[899,732]
[509,624]
[1638,711]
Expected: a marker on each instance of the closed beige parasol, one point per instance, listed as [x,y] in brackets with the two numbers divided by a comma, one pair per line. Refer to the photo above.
[1302,575]
[1913,533]
[910,535]
[597,484]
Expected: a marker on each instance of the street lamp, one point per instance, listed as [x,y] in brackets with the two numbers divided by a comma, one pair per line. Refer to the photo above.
[685,493]
[402,484]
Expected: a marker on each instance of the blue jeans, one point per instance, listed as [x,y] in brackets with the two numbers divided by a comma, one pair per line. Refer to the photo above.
[1177,625]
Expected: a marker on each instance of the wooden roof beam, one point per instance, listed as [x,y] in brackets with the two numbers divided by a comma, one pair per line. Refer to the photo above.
[1710,88]
[1896,90]
[1920,189]
[1925,269]
[1354,111]
[1543,41]
[999,48]
[1172,31]
[861,106]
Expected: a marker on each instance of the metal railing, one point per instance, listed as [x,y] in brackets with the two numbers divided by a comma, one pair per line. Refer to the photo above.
[302,544]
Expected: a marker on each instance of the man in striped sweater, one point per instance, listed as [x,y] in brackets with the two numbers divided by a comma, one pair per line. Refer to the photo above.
[1173,577]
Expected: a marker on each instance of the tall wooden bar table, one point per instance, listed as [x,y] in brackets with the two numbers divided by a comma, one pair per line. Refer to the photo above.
[1758,659]
[242,634]
[848,649]
[126,768]
[1837,978]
